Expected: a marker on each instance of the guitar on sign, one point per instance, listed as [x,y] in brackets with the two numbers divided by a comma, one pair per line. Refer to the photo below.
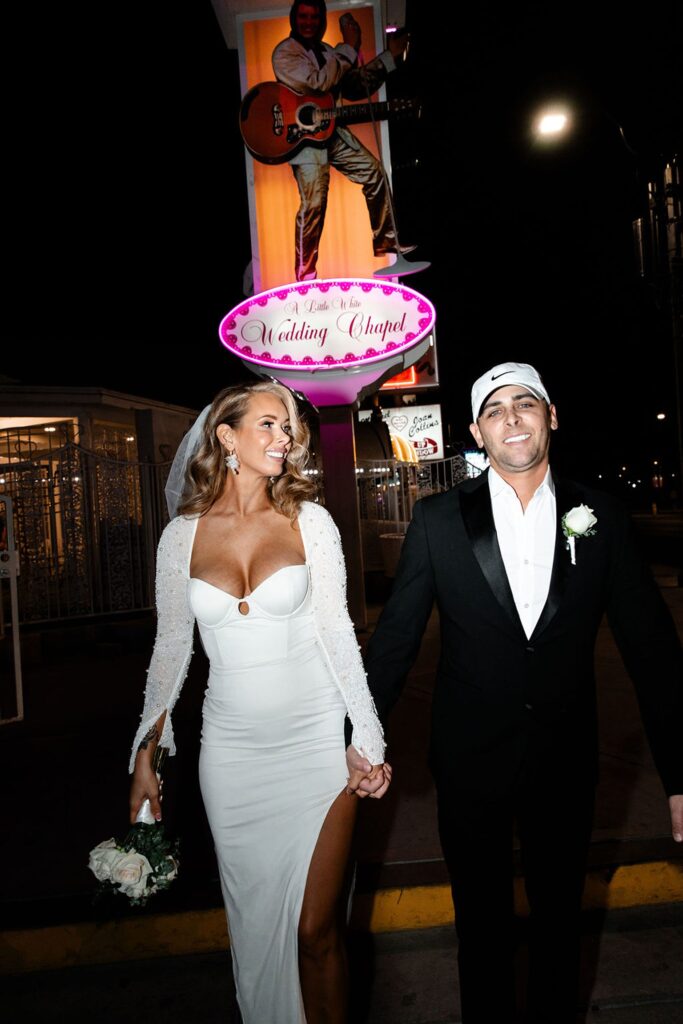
[277,122]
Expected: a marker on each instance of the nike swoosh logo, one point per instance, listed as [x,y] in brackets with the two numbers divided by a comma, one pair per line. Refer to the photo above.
[501,374]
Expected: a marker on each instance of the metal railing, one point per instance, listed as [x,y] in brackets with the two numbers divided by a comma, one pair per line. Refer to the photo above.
[86,527]
[387,492]
[11,689]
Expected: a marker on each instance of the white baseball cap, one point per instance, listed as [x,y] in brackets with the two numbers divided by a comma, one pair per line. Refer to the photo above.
[499,377]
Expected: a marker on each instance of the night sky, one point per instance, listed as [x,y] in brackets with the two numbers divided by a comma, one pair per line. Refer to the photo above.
[126,227]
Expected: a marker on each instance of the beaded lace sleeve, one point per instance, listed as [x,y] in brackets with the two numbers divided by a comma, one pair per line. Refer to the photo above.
[175,626]
[335,628]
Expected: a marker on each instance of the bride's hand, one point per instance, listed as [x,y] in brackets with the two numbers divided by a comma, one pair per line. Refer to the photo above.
[377,782]
[145,786]
[364,778]
[358,768]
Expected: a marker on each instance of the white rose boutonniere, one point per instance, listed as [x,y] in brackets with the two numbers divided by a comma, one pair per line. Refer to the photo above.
[578,522]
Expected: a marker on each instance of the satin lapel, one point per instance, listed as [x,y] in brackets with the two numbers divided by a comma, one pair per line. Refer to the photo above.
[477,515]
[566,497]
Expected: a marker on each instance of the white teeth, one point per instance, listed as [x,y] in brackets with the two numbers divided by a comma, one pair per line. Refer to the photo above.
[517,437]
[276,455]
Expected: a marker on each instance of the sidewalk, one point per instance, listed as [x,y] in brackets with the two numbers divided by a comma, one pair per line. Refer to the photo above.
[632,974]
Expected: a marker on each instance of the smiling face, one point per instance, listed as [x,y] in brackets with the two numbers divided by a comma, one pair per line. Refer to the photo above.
[262,439]
[514,427]
[307,21]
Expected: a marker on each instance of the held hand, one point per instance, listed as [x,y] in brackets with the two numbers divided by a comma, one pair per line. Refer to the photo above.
[145,786]
[397,42]
[676,808]
[358,768]
[377,782]
[350,30]
[364,778]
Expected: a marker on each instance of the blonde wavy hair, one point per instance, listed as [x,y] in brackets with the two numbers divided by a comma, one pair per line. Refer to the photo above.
[207,469]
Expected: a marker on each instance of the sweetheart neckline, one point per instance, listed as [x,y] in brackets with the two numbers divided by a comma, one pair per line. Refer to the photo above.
[294,565]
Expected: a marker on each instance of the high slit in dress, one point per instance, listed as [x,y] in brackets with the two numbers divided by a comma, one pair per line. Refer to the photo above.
[272,763]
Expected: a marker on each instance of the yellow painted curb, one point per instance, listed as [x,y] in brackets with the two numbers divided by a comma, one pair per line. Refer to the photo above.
[428,906]
[630,885]
[389,910]
[71,945]
[633,885]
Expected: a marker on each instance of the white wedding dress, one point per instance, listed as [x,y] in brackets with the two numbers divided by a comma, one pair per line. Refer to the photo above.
[282,679]
[272,762]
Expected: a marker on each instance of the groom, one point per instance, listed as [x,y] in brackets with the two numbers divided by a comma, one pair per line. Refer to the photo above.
[514,728]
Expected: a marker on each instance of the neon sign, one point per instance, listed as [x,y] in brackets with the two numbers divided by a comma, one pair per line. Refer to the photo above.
[327,325]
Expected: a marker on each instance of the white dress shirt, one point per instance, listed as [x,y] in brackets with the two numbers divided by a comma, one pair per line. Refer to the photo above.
[527,543]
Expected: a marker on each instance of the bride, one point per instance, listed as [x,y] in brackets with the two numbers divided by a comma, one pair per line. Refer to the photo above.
[260,567]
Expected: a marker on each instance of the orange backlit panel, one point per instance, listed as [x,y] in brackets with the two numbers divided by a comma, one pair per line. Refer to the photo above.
[346,245]
[402,380]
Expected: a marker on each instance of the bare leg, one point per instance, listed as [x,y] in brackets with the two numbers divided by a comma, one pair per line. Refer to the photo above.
[322,954]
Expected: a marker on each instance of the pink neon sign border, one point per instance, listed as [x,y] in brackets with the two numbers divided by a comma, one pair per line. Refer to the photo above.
[371,355]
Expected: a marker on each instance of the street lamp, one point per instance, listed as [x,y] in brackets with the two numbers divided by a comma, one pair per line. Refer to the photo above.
[552,123]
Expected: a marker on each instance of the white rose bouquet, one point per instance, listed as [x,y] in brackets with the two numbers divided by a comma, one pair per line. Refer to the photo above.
[578,522]
[145,862]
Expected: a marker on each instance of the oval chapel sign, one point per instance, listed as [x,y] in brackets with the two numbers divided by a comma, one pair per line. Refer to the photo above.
[323,325]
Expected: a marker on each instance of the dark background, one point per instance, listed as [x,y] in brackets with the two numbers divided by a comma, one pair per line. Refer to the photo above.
[126,223]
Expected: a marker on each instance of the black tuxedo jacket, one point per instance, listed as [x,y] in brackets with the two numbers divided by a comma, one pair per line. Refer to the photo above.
[504,703]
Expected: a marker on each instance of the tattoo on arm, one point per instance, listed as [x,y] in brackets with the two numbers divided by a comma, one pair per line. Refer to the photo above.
[149,737]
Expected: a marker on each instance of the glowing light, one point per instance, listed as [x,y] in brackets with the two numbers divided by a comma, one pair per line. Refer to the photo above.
[552,124]
[661,415]
[50,430]
[401,380]
[130,438]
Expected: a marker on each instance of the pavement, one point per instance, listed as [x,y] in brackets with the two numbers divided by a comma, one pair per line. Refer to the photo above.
[65,789]
[631,959]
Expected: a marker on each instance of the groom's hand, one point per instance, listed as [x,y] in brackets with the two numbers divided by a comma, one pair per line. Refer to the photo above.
[676,807]
[358,768]
[364,779]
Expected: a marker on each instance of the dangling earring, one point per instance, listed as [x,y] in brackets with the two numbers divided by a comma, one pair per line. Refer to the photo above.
[232,462]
